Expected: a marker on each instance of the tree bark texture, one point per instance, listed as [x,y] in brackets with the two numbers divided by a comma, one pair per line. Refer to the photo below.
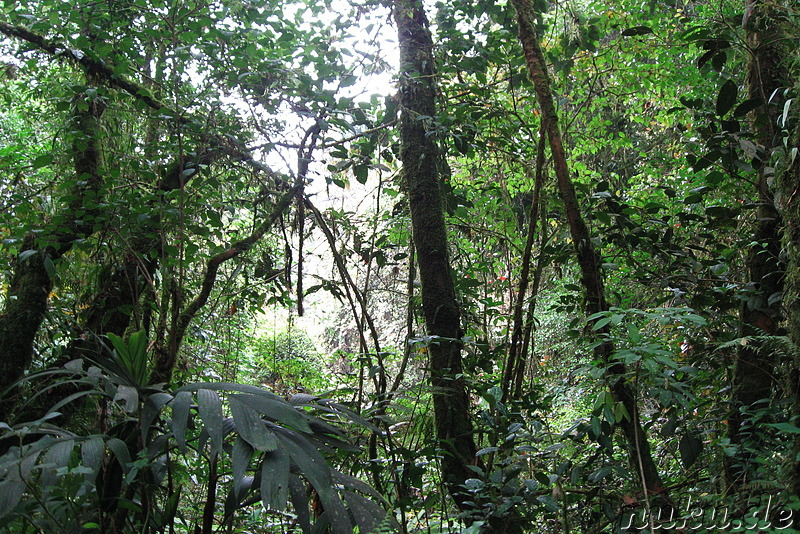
[787,200]
[790,210]
[753,376]
[31,283]
[420,157]
[517,357]
[589,262]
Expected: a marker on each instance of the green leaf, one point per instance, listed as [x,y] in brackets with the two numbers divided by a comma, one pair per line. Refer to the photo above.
[348,481]
[486,450]
[727,97]
[250,426]
[368,514]
[57,457]
[92,452]
[152,407]
[42,161]
[25,254]
[180,405]
[241,455]
[620,412]
[785,116]
[785,427]
[596,426]
[313,467]
[746,107]
[128,395]
[601,323]
[210,409]
[361,173]
[297,491]
[275,480]
[49,267]
[121,452]
[137,347]
[637,30]
[10,494]
[690,446]
[276,409]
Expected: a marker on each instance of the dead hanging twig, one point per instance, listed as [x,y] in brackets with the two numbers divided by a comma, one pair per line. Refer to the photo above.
[304,153]
[353,295]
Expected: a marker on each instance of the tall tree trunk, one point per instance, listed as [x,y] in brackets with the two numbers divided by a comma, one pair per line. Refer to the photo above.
[517,356]
[789,205]
[641,459]
[31,282]
[420,157]
[787,200]
[753,376]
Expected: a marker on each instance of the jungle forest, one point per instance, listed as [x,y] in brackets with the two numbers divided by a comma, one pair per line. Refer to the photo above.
[373,266]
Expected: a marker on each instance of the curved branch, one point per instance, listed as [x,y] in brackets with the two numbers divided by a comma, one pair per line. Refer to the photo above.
[589,261]
[380,384]
[166,360]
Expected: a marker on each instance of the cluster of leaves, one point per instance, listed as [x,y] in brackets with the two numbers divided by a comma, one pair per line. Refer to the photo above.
[266,448]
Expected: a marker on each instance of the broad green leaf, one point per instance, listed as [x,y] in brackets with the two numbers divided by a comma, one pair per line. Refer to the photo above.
[746,107]
[727,97]
[690,447]
[313,467]
[25,254]
[152,407]
[486,450]
[42,161]
[137,344]
[636,30]
[620,412]
[250,426]
[180,405]
[56,457]
[10,494]
[785,427]
[601,323]
[275,480]
[297,492]
[92,452]
[128,395]
[277,410]
[367,514]
[210,409]
[49,267]
[348,481]
[121,452]
[241,455]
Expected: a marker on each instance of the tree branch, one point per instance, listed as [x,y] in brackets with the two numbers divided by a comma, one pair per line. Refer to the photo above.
[166,361]
[105,72]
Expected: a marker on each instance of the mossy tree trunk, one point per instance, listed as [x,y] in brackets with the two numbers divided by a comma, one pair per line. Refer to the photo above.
[753,376]
[420,158]
[31,283]
[589,262]
[787,200]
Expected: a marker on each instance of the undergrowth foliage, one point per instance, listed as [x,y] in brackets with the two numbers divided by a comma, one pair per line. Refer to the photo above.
[542,275]
[259,448]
